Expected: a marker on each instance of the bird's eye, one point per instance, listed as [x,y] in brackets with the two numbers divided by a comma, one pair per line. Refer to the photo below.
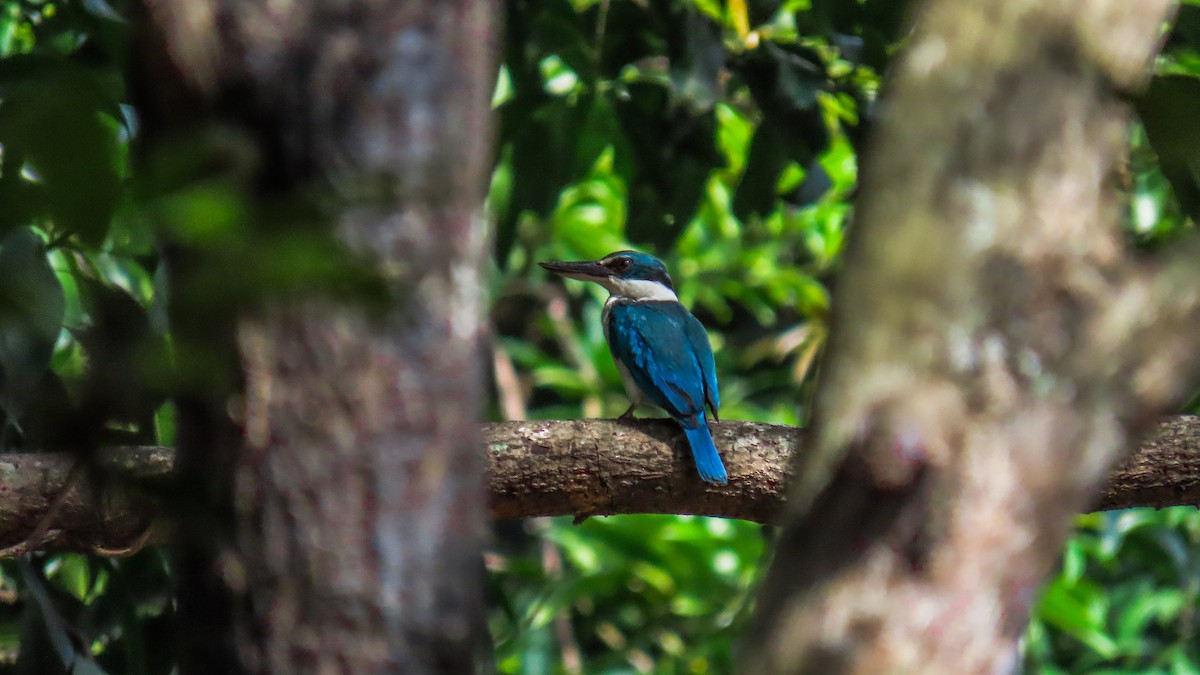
[621,264]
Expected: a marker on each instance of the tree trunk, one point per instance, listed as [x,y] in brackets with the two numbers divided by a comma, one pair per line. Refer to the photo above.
[995,346]
[357,493]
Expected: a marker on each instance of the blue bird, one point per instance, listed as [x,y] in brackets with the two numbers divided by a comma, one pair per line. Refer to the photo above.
[661,350]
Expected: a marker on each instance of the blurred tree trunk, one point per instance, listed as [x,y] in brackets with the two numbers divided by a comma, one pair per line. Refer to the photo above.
[352,497]
[996,348]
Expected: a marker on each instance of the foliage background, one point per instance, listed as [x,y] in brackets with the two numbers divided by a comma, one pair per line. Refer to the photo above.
[722,136]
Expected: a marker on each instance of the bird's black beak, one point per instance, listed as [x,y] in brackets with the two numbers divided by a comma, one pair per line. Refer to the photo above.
[589,270]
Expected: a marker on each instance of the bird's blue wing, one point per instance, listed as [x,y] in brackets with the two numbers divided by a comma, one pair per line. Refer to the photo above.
[704,356]
[652,340]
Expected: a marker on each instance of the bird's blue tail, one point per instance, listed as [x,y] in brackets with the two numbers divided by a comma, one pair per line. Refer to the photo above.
[708,462]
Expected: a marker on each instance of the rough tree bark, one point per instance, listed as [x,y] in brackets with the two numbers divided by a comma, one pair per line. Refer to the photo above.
[539,468]
[995,347]
[357,493]
[606,467]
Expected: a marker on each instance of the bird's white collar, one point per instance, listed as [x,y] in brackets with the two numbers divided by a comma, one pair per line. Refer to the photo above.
[638,289]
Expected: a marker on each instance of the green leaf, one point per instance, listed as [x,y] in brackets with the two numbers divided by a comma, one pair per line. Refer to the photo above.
[1182,663]
[24,202]
[1185,32]
[164,424]
[1151,605]
[1067,609]
[541,134]
[32,303]
[1074,562]
[32,306]
[1167,110]
[590,217]
[762,11]
[73,574]
[601,134]
[62,126]
[674,153]
[756,192]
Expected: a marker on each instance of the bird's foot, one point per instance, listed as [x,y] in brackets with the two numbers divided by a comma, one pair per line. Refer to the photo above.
[628,414]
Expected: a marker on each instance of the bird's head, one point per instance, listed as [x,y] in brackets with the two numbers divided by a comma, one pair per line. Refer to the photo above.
[626,274]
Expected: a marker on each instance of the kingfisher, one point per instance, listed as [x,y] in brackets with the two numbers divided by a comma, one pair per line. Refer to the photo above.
[661,350]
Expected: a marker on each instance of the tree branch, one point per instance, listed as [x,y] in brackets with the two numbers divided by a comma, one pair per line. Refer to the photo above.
[543,468]
[110,522]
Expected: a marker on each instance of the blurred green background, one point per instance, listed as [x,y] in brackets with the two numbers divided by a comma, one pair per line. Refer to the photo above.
[721,136]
